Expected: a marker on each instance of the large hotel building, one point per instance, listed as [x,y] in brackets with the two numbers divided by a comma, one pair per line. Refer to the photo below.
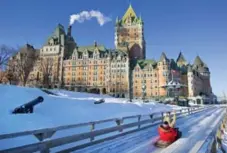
[118,71]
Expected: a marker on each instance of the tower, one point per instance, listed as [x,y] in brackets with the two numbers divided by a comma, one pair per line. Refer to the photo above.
[129,32]
[181,61]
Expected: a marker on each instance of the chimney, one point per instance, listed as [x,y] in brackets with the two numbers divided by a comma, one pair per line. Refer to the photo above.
[69,30]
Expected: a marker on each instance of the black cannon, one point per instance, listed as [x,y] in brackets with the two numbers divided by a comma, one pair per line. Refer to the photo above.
[28,107]
[100,101]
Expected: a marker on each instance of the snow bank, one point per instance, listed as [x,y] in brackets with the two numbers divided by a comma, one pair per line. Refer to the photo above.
[68,108]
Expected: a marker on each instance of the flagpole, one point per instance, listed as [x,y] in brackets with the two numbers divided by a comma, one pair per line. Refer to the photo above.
[172,74]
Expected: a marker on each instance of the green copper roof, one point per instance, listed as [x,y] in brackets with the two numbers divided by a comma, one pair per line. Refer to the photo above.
[181,58]
[130,13]
[91,48]
[59,30]
[144,63]
[198,61]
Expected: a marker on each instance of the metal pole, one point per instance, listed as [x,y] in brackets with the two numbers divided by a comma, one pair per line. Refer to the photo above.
[172,75]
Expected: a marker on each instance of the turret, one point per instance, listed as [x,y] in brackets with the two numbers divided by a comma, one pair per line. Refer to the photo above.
[95,43]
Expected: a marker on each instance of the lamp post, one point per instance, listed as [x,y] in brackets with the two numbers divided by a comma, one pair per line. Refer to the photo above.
[144,91]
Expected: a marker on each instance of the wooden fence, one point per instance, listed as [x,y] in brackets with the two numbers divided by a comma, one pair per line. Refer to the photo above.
[213,142]
[46,143]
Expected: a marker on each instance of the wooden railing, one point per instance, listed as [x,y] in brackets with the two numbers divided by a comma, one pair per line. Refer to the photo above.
[121,128]
[213,142]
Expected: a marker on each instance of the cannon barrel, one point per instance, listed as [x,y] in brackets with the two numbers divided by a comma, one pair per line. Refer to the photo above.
[28,107]
[33,102]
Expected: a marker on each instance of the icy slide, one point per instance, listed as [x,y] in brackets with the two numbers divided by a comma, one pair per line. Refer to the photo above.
[195,128]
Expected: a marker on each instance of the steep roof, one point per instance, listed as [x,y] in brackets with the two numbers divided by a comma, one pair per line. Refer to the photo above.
[117,51]
[163,57]
[143,63]
[91,48]
[129,13]
[181,58]
[198,61]
[26,47]
[59,30]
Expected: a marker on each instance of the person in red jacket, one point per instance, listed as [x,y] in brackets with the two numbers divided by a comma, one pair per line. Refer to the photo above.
[167,133]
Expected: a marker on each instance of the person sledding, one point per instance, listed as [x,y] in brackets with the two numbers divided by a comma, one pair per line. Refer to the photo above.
[167,131]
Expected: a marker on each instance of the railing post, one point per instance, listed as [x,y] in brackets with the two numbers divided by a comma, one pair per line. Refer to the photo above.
[181,112]
[151,116]
[139,118]
[192,110]
[119,123]
[92,129]
[45,135]
[162,116]
[42,136]
[45,151]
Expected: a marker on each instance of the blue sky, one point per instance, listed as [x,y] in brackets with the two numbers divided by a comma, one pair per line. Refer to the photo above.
[195,27]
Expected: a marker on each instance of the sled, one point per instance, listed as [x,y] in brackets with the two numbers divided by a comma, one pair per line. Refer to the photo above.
[161,144]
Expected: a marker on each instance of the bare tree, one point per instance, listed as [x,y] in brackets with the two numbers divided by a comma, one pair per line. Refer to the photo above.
[5,54]
[9,75]
[22,63]
[46,68]
[2,75]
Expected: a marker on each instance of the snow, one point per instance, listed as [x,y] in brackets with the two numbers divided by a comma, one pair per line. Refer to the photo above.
[195,128]
[67,108]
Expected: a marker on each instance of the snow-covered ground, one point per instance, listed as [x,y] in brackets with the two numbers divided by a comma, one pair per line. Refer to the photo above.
[195,128]
[67,108]
[74,107]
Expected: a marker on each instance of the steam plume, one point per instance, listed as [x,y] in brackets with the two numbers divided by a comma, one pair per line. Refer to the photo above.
[85,15]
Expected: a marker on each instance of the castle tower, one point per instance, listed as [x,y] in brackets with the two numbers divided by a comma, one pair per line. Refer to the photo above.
[129,32]
[181,61]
